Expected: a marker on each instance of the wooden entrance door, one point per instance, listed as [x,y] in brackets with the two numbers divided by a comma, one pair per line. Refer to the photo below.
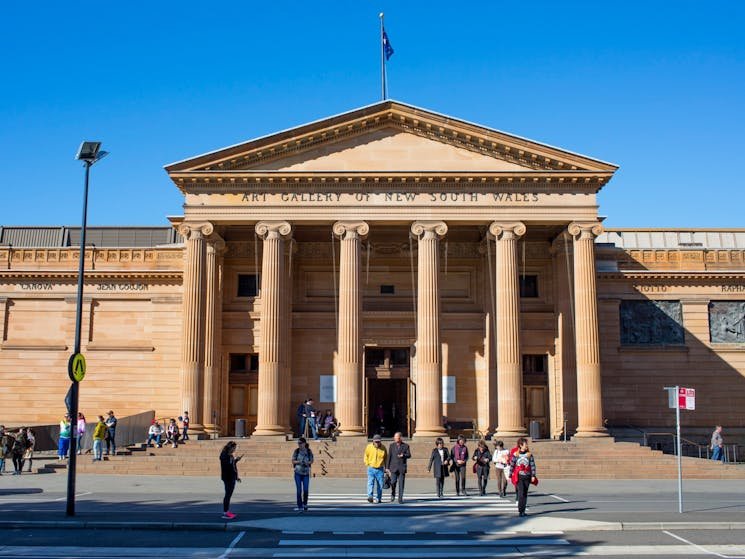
[244,404]
[536,407]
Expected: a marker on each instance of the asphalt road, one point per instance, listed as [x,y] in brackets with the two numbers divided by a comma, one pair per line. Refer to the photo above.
[144,516]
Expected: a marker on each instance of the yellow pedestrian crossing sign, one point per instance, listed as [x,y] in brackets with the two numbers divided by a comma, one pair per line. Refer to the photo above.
[76,367]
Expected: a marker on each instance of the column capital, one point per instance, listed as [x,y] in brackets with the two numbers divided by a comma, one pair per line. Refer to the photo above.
[273,229]
[350,229]
[216,243]
[507,231]
[424,229]
[190,230]
[589,230]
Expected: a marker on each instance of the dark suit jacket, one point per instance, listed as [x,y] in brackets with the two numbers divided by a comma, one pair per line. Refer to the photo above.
[396,464]
[436,465]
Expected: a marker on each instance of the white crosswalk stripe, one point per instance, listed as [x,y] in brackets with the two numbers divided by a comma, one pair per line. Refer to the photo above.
[419,502]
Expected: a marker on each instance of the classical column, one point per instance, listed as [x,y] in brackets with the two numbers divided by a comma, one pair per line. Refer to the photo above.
[589,393]
[273,233]
[428,350]
[215,246]
[510,421]
[192,342]
[561,250]
[349,352]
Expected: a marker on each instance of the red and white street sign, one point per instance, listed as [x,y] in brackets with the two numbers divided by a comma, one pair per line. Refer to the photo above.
[687,398]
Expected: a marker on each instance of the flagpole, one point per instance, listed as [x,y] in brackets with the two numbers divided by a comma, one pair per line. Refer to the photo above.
[382,59]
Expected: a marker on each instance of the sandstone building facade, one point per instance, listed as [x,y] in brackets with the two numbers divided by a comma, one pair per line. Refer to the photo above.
[388,258]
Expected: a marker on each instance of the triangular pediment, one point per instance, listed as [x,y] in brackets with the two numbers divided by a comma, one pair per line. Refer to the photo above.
[387,149]
[386,137]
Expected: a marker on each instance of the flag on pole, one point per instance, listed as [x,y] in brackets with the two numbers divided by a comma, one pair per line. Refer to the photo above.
[387,48]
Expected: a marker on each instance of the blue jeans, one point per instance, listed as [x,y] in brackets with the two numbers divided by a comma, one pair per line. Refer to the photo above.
[302,483]
[375,476]
[717,453]
[155,438]
[64,447]
[97,449]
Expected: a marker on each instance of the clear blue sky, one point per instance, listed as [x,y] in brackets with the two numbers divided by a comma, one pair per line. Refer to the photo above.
[656,87]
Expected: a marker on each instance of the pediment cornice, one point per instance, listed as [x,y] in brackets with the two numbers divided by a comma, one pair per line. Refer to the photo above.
[532,155]
[240,181]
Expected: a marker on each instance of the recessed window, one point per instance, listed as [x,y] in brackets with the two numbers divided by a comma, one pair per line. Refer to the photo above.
[387,290]
[528,285]
[244,362]
[400,357]
[374,357]
[248,285]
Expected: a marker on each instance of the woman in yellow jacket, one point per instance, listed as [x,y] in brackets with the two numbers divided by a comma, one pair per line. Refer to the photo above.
[98,436]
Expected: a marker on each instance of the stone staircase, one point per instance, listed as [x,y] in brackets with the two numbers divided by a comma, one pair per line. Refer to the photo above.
[601,458]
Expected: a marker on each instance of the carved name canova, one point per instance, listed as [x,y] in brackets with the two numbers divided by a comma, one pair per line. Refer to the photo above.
[589,390]
[273,384]
[510,419]
[348,364]
[428,351]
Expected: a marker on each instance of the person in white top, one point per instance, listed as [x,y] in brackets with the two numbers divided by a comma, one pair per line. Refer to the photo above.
[154,434]
[501,467]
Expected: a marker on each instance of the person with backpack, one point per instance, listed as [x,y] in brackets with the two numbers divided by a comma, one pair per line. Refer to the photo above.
[19,449]
[522,466]
[99,434]
[481,463]
[302,460]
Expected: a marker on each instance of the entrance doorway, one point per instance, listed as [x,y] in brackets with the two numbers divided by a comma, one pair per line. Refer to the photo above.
[387,391]
[243,391]
[535,392]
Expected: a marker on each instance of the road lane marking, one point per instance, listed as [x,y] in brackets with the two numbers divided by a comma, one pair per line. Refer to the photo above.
[562,499]
[232,545]
[696,546]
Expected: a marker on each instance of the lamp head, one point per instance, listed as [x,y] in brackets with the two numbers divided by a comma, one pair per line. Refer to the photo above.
[90,152]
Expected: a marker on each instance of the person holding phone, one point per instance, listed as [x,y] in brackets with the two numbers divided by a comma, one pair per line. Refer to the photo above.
[302,459]
[229,476]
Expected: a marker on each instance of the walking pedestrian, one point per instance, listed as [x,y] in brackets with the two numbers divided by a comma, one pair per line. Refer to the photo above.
[500,467]
[65,431]
[229,476]
[375,459]
[99,434]
[110,437]
[80,431]
[459,458]
[30,446]
[481,465]
[19,449]
[439,465]
[185,427]
[523,473]
[717,444]
[398,453]
[302,459]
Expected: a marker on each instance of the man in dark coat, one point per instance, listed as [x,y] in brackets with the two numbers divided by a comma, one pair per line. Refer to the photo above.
[398,454]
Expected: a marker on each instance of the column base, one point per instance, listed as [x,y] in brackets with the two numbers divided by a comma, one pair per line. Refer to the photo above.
[507,433]
[269,431]
[591,432]
[429,433]
[211,430]
[352,432]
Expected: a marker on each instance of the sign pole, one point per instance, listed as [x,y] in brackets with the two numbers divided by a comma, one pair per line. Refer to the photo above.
[680,459]
[673,393]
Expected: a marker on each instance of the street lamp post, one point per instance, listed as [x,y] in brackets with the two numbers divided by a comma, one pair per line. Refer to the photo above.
[89,153]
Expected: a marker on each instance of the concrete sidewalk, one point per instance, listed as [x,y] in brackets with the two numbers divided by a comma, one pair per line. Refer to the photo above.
[158,503]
